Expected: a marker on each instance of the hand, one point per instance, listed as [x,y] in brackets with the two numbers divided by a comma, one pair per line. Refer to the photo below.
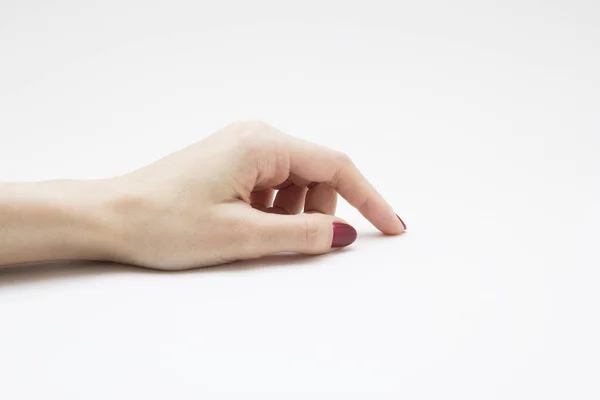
[214,202]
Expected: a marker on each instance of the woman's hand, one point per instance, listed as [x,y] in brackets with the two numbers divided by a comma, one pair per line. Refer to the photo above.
[215,202]
[211,203]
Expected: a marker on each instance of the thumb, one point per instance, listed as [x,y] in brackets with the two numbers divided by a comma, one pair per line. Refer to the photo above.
[303,233]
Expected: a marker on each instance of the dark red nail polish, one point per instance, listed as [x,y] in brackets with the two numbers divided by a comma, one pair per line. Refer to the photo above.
[343,235]
[403,224]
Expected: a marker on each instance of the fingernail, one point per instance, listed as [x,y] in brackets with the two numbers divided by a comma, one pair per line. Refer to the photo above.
[343,235]
[403,224]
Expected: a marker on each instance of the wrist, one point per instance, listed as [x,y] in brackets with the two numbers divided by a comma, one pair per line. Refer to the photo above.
[56,220]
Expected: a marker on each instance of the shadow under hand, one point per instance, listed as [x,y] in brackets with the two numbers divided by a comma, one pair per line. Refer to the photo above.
[48,271]
[284,260]
[63,270]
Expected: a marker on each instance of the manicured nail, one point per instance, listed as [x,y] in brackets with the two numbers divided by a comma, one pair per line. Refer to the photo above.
[403,224]
[343,235]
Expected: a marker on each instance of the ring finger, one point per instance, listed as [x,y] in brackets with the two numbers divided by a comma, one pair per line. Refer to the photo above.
[321,198]
[289,201]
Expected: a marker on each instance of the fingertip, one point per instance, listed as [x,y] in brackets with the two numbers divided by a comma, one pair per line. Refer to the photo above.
[402,222]
[392,225]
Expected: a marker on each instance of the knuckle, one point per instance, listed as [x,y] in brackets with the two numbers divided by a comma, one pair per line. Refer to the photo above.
[311,234]
[343,159]
[252,144]
[259,141]
[257,126]
[363,204]
[255,135]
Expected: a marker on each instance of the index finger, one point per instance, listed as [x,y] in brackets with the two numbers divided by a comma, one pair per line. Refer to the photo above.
[320,164]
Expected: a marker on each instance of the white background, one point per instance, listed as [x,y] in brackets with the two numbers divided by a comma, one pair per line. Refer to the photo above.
[478,120]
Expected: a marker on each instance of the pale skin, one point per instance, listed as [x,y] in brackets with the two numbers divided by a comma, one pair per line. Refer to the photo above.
[245,192]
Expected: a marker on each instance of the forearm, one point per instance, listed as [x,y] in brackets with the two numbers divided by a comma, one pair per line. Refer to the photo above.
[55,220]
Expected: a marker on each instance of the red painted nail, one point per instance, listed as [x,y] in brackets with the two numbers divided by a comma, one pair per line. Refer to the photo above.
[403,224]
[343,235]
